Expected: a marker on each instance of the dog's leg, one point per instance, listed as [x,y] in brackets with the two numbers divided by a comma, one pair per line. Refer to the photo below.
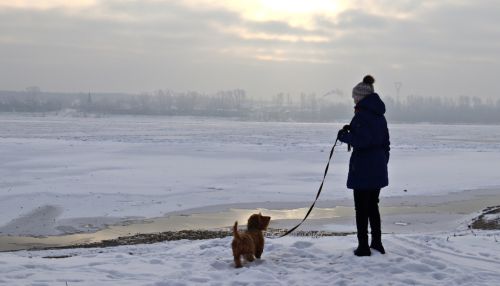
[259,248]
[258,253]
[237,261]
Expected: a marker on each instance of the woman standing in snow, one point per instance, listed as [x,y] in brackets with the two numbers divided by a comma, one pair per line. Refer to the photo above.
[369,136]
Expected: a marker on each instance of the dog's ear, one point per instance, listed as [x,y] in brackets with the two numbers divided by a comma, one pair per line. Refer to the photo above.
[265,221]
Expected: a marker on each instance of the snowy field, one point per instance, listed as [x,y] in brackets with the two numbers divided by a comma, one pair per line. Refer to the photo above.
[103,171]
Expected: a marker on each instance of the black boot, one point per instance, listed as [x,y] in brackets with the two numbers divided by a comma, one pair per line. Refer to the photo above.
[376,237]
[377,244]
[375,225]
[363,249]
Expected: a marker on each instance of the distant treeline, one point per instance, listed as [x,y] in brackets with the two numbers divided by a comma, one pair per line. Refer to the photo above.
[235,103]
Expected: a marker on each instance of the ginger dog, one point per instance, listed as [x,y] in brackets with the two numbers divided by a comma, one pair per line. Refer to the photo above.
[250,243]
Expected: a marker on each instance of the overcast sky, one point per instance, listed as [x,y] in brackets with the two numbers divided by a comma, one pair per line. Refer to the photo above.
[435,48]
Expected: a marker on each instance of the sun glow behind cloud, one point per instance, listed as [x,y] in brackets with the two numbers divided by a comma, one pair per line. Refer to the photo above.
[297,13]
[249,35]
[300,16]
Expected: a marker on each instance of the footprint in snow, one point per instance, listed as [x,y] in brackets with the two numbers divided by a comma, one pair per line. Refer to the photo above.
[417,267]
[155,261]
[438,276]
[199,280]
[435,264]
[302,244]
[220,265]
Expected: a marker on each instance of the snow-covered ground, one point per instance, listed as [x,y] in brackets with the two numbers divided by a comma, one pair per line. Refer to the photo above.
[424,259]
[68,173]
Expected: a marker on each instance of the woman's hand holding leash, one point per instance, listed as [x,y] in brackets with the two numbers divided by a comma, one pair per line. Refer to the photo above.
[342,132]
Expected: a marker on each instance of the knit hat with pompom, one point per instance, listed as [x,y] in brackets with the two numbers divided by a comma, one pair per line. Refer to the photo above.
[364,88]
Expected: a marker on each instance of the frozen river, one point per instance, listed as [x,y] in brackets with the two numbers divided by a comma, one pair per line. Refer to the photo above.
[75,174]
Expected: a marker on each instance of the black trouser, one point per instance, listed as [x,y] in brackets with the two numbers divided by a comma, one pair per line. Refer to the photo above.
[366,205]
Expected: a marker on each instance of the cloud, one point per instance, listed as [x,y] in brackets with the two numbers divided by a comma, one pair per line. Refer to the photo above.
[263,46]
[47,4]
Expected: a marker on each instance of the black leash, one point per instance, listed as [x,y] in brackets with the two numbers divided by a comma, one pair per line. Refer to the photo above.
[317,195]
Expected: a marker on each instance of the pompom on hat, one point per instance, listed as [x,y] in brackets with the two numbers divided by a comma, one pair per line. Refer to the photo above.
[364,88]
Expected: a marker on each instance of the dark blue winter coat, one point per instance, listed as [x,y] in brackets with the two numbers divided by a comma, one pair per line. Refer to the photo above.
[369,137]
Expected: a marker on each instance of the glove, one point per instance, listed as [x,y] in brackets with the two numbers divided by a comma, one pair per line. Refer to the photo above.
[341,133]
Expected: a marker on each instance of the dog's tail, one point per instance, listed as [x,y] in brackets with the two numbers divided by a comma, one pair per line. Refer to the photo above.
[235,231]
